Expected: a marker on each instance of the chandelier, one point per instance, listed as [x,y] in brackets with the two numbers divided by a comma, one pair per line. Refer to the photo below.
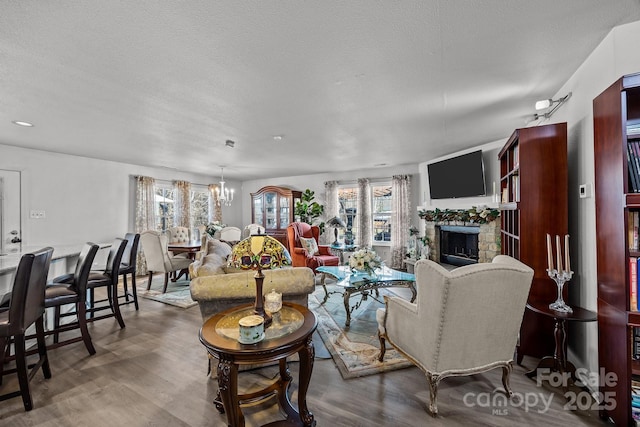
[224,195]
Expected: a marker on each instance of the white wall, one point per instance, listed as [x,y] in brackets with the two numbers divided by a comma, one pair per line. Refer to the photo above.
[616,56]
[85,199]
[491,173]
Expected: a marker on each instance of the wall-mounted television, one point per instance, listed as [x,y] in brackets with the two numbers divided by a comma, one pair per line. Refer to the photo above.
[461,176]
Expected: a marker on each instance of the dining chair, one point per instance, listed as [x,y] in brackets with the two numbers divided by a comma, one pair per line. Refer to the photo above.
[107,279]
[158,257]
[71,289]
[26,308]
[252,229]
[128,267]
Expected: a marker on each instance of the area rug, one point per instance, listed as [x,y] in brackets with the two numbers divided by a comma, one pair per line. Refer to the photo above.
[178,293]
[354,349]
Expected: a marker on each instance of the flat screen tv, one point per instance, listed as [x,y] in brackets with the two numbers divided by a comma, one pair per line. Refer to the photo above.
[461,176]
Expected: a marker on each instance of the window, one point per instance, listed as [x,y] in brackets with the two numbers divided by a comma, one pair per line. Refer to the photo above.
[348,199]
[199,206]
[380,212]
[164,206]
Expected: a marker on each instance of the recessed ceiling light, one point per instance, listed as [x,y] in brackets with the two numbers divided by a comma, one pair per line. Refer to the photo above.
[21,123]
[377,165]
[277,137]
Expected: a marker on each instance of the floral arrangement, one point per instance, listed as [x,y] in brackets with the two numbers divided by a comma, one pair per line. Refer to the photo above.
[214,226]
[413,231]
[365,260]
[476,215]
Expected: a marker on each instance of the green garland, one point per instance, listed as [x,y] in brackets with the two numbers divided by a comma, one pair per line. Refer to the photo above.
[473,215]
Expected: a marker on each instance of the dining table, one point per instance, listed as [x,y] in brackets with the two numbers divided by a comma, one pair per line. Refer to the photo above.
[190,248]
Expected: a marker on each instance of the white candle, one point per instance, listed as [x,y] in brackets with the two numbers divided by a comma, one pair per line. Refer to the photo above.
[549,253]
[558,254]
[567,264]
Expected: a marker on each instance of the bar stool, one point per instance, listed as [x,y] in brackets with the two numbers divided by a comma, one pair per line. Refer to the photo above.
[128,266]
[109,280]
[72,289]
[26,308]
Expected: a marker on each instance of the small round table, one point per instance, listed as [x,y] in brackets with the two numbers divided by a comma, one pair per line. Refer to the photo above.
[289,333]
[558,362]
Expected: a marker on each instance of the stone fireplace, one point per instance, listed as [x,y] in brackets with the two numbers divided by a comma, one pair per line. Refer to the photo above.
[460,243]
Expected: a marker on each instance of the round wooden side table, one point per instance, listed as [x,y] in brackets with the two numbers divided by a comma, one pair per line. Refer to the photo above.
[558,362]
[289,333]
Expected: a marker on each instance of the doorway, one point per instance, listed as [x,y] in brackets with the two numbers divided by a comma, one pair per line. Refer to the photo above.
[10,225]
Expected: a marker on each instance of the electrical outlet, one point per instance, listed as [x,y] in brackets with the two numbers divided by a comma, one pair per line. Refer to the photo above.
[37,214]
[585,191]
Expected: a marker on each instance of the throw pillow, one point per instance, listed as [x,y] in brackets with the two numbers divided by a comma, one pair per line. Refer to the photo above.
[212,264]
[215,246]
[310,245]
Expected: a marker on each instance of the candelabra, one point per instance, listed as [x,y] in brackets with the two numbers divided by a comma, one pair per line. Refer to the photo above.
[560,277]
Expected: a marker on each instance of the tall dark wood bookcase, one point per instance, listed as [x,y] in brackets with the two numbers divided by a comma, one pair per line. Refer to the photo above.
[614,110]
[534,188]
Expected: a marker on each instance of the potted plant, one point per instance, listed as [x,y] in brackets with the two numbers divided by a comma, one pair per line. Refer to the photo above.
[307,210]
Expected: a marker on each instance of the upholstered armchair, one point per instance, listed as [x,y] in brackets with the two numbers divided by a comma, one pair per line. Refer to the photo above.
[464,321]
[302,240]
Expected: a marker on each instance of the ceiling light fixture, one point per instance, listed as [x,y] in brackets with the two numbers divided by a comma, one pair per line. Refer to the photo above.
[23,124]
[224,195]
[229,143]
[547,103]
[277,138]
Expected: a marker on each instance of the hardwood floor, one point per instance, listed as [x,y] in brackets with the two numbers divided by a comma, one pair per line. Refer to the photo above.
[154,373]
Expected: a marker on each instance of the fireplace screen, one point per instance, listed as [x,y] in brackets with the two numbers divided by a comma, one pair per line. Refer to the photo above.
[459,245]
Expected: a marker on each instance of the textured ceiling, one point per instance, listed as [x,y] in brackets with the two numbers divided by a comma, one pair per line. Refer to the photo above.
[348,84]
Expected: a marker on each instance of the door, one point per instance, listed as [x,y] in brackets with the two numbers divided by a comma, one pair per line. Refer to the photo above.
[10,227]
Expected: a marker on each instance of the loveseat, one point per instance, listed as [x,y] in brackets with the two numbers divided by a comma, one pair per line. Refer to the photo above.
[217,287]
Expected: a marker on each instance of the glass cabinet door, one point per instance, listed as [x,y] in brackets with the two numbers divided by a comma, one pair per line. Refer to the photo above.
[258,217]
[271,202]
[284,211]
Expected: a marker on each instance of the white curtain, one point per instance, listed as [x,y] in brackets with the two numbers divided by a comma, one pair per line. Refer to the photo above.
[145,214]
[182,204]
[215,210]
[363,214]
[401,206]
[331,208]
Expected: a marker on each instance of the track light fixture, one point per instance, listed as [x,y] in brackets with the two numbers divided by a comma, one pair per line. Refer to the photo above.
[549,103]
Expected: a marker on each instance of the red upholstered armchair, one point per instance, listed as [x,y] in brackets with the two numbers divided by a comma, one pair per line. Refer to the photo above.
[300,257]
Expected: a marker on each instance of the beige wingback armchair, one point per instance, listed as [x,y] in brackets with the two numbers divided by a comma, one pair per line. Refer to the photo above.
[464,321]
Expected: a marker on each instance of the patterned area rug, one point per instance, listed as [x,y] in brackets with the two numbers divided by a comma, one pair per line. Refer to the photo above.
[355,349]
[178,293]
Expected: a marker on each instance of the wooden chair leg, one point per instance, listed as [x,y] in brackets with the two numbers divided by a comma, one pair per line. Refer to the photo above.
[125,287]
[42,348]
[149,283]
[383,346]
[81,310]
[113,293]
[433,381]
[56,323]
[166,282]
[134,291]
[22,371]
[3,346]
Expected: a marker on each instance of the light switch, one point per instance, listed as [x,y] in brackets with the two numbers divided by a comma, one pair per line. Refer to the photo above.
[37,214]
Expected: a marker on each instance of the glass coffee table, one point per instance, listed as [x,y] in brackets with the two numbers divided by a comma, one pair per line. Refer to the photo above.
[363,285]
